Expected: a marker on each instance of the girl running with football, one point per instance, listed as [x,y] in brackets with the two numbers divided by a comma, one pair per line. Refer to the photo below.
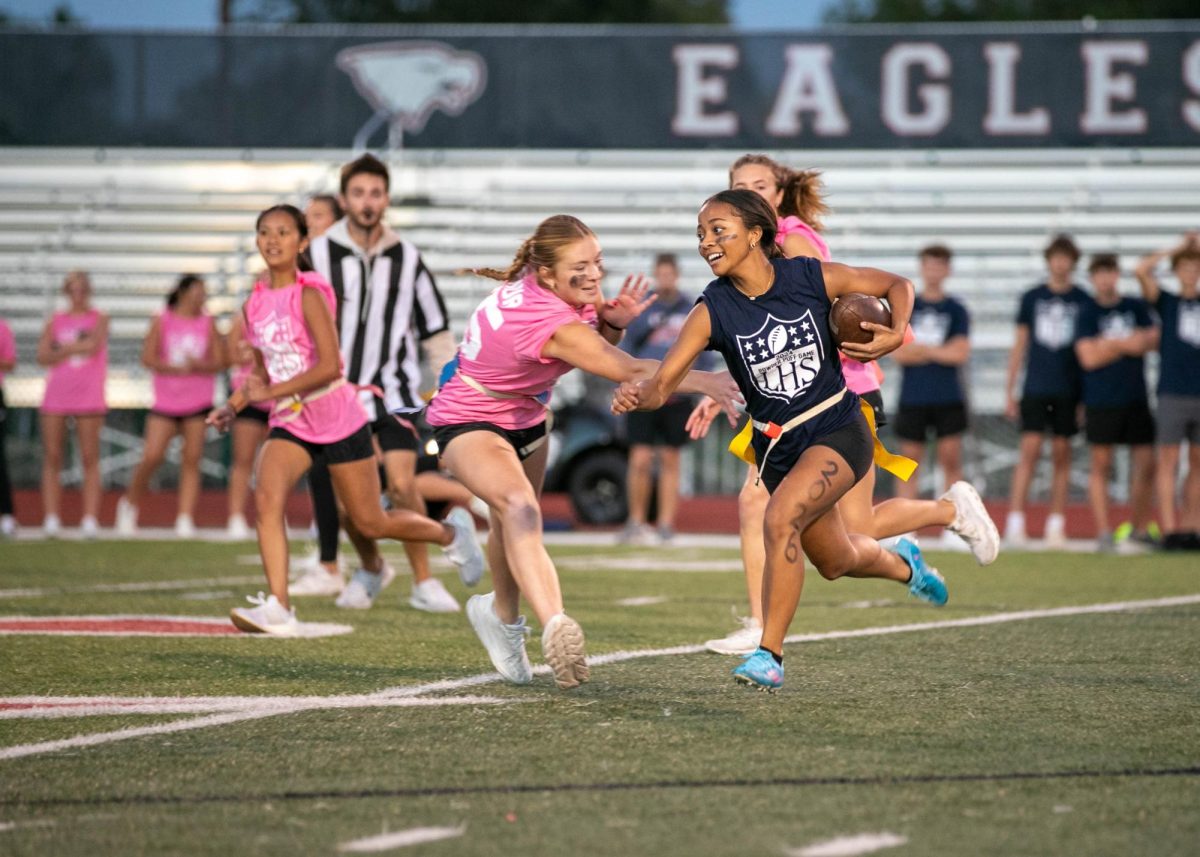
[316,416]
[491,421]
[769,317]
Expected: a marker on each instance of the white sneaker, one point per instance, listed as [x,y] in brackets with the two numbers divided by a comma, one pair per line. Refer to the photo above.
[505,644]
[743,641]
[364,587]
[1129,547]
[464,551]
[972,523]
[127,515]
[88,528]
[316,580]
[237,529]
[1014,530]
[1055,537]
[51,527]
[184,528]
[642,535]
[8,526]
[431,596]
[562,649]
[267,616]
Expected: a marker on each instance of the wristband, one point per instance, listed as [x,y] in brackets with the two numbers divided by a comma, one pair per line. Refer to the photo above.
[611,325]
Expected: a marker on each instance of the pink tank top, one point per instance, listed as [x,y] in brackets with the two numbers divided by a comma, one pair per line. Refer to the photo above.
[860,377]
[8,346]
[76,385]
[179,339]
[275,326]
[502,350]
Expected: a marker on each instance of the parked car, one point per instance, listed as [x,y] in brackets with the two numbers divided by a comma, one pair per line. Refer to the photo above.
[588,459]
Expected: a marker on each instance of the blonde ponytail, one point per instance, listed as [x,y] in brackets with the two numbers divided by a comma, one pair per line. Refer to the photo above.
[540,249]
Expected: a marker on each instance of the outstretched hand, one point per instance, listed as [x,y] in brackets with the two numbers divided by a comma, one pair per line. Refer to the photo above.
[629,303]
[221,418]
[627,397]
[884,341]
[724,393]
[701,418]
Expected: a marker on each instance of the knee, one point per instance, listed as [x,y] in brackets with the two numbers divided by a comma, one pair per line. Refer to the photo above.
[752,501]
[832,569]
[519,512]
[781,525]
[640,459]
[372,527]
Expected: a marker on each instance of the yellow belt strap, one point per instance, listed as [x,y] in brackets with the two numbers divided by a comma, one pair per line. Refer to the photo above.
[897,465]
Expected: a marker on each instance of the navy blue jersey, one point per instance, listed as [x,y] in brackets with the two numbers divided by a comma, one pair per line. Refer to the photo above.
[1122,382]
[779,350]
[934,323]
[1051,369]
[1179,369]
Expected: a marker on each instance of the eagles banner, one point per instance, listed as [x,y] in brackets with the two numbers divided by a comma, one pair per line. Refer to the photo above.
[1036,85]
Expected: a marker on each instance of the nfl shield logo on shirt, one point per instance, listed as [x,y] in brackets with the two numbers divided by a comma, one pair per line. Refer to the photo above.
[783,356]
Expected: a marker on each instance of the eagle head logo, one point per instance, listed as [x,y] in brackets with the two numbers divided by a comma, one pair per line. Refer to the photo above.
[406,81]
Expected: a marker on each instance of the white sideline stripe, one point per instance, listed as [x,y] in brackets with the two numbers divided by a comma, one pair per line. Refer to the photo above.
[642,600]
[22,750]
[325,703]
[849,846]
[147,586]
[402,839]
[650,563]
[50,707]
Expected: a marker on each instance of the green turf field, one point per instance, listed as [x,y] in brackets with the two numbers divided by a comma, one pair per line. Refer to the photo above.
[1069,733]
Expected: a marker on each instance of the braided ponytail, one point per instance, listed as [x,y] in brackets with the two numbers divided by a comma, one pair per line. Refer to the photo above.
[540,249]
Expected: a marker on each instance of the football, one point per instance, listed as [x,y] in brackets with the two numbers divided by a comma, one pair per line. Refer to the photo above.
[849,310]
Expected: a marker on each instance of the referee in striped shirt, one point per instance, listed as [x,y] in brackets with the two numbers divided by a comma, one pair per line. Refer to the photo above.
[389,311]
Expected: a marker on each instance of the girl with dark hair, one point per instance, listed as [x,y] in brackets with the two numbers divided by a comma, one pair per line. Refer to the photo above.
[491,422]
[769,317]
[316,416]
[184,353]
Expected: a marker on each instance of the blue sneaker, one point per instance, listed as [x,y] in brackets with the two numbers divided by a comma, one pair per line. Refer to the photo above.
[926,583]
[758,669]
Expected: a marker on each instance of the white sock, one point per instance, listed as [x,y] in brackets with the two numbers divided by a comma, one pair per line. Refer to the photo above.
[1055,525]
[1015,525]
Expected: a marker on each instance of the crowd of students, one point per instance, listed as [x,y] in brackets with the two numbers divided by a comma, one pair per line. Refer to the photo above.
[326,361]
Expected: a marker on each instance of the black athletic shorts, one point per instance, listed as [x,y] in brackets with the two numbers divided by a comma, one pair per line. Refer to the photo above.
[254,415]
[914,422]
[663,427]
[394,432]
[853,442]
[1132,425]
[518,439]
[1055,414]
[874,398]
[180,419]
[354,447]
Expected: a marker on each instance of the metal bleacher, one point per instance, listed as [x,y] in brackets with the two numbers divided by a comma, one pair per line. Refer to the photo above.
[136,219]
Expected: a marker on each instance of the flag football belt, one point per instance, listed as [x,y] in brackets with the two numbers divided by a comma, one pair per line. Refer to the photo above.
[741,445]
[528,448]
[289,408]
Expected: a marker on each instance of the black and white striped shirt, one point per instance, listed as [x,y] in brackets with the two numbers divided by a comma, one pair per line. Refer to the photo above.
[387,304]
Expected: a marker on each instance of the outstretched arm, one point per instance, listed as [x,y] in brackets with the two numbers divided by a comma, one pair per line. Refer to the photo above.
[843,280]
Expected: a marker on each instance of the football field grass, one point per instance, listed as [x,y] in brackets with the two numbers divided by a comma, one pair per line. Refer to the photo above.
[1052,707]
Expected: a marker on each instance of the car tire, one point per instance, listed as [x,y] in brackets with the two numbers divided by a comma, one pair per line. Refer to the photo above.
[596,486]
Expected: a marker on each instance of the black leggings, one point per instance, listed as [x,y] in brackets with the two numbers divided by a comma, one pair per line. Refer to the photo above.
[320,486]
[6,499]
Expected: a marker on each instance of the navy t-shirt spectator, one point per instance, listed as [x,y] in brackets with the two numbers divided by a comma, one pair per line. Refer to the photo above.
[1179,347]
[651,334]
[934,323]
[1122,382]
[1051,369]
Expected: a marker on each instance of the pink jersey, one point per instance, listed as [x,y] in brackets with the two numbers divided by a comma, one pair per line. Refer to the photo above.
[275,326]
[502,350]
[180,339]
[76,385]
[240,371]
[860,377]
[8,346]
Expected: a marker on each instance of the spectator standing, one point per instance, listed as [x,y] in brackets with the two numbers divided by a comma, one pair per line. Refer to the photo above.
[1045,345]
[1178,389]
[74,347]
[8,362]
[389,314]
[657,434]
[1115,333]
[184,353]
[931,390]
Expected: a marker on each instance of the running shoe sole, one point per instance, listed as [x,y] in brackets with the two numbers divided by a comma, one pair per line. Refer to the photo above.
[563,650]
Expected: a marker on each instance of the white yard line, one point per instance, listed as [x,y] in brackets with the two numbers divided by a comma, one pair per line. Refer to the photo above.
[382,698]
[401,839]
[849,846]
[147,586]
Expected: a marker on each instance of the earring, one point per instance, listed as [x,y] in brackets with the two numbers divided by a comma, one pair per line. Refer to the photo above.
[753,244]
